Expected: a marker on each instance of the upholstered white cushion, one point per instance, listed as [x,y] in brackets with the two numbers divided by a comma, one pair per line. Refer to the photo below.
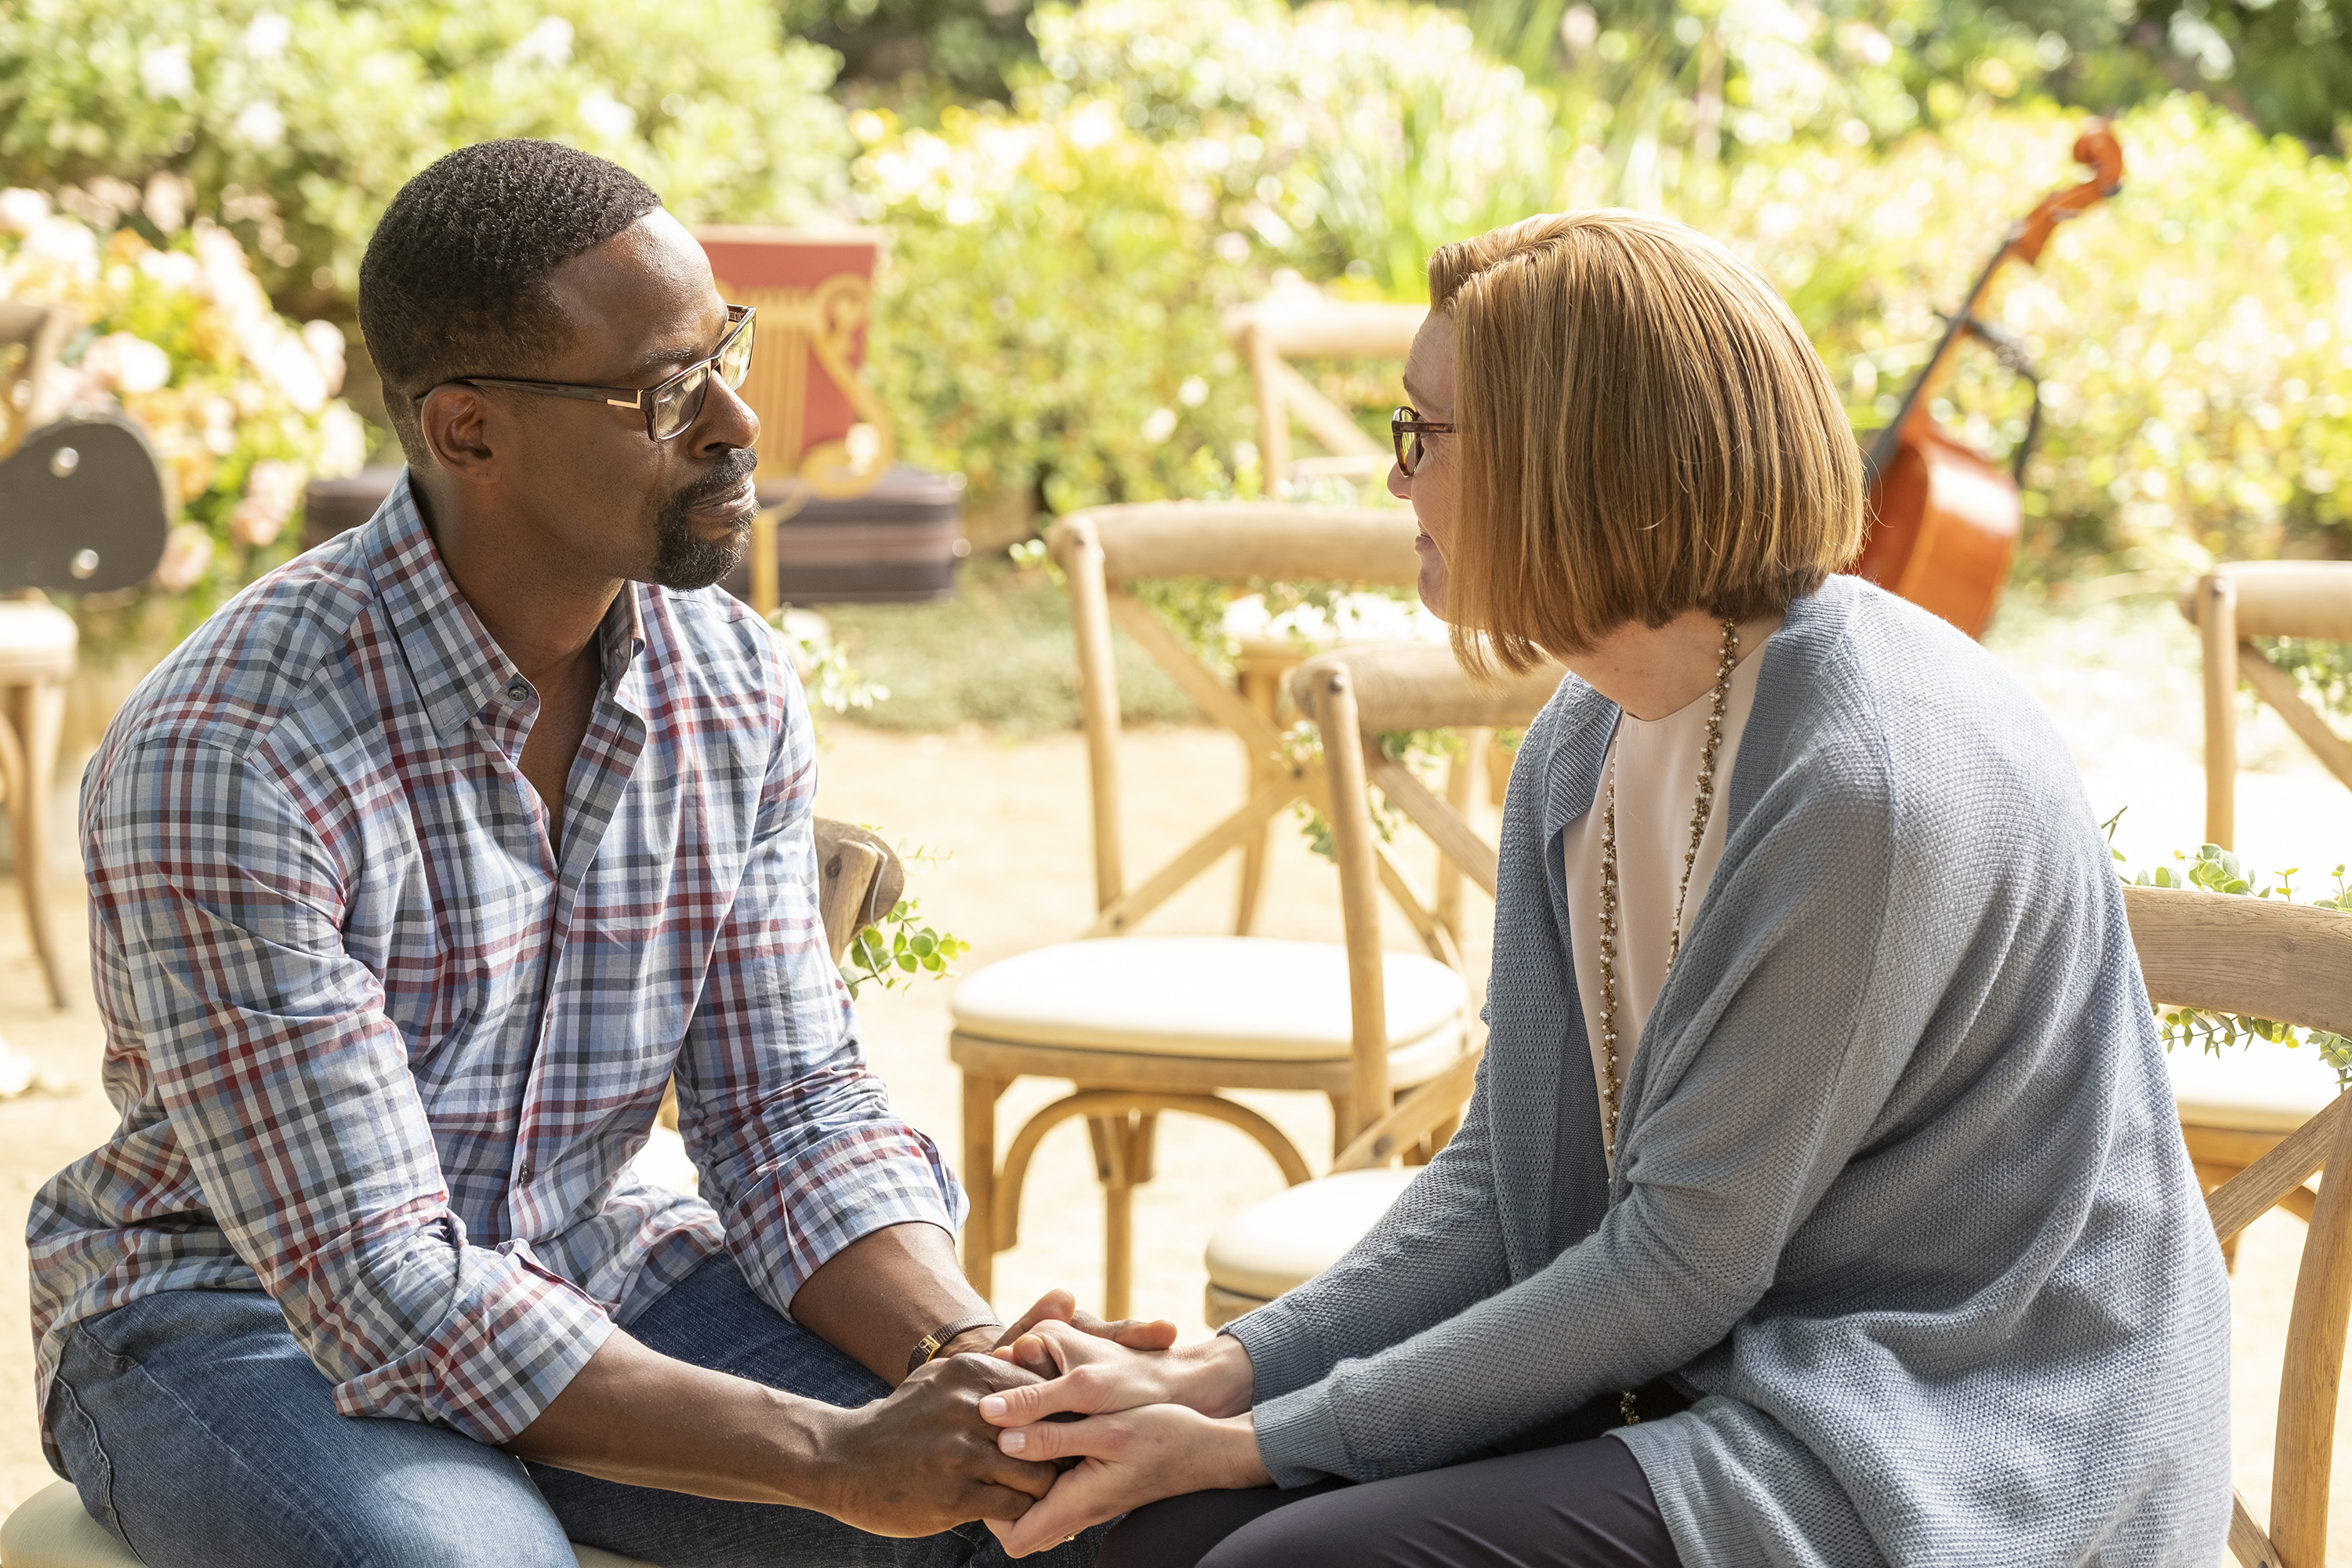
[1291,1237]
[49,1530]
[1223,996]
[663,1162]
[36,641]
[2260,1088]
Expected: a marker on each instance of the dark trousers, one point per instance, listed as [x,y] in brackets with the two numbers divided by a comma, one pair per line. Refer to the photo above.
[1579,1505]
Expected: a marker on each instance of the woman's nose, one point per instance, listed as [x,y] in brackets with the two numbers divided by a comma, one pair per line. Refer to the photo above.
[1400,482]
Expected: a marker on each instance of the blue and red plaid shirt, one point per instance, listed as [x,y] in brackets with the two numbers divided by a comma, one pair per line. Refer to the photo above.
[381,1053]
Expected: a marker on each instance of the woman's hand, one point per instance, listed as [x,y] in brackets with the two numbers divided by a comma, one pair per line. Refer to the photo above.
[1059,1306]
[1090,1375]
[1123,1462]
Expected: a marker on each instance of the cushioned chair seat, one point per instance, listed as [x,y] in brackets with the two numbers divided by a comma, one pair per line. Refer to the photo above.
[36,642]
[663,1162]
[1213,997]
[2261,1088]
[1284,1242]
[49,1530]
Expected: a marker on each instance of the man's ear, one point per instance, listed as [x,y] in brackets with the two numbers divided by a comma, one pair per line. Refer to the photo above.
[455,419]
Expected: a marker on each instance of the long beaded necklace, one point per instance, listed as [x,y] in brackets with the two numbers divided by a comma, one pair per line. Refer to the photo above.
[1701,809]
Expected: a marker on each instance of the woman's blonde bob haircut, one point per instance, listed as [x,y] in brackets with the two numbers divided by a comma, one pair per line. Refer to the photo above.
[1643,430]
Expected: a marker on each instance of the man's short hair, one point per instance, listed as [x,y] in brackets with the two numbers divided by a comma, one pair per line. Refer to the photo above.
[455,280]
[1643,429]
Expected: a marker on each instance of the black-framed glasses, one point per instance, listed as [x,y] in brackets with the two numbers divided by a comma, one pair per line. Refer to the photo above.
[670,405]
[1406,427]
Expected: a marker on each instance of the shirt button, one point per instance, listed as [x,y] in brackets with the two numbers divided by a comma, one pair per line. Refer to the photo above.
[523,1175]
[518,688]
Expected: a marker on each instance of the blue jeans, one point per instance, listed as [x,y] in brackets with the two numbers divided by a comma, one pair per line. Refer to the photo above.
[198,1432]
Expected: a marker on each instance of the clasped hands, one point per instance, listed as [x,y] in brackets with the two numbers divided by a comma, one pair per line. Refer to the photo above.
[1128,1423]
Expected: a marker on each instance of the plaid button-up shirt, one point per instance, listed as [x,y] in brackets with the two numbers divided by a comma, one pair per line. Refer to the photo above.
[381,1053]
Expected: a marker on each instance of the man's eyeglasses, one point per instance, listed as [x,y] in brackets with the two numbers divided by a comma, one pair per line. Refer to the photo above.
[1406,427]
[670,407]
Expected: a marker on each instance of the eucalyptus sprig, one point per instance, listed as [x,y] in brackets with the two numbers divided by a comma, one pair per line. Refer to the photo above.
[898,949]
[2214,869]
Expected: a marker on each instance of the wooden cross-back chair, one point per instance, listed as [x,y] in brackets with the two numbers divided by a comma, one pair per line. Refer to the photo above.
[1150,1025]
[2232,605]
[1273,331]
[1354,696]
[2292,962]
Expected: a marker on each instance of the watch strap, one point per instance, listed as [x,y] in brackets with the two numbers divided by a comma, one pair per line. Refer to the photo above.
[931,1344]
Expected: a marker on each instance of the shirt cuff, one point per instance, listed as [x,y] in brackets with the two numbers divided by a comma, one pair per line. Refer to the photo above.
[515,1338]
[850,1186]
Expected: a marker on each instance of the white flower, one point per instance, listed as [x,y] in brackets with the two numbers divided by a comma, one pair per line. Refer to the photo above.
[547,44]
[165,72]
[267,36]
[174,269]
[188,556]
[607,116]
[1160,426]
[123,362]
[325,341]
[259,124]
[249,523]
[1193,393]
[342,441]
[63,243]
[21,209]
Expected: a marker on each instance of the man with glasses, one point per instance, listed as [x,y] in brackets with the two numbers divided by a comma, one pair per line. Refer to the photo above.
[415,874]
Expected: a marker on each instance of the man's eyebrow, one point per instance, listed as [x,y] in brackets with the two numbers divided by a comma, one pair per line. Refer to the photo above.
[667,357]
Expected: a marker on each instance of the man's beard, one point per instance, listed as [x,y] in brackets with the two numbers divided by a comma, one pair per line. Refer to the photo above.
[683,558]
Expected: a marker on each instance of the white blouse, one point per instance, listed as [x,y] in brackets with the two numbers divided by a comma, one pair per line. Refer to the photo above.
[1656,764]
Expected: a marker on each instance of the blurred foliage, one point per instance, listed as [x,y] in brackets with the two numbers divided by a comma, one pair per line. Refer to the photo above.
[1346,139]
[297,119]
[1169,159]
[1048,318]
[2322,671]
[238,402]
[2194,335]
[960,48]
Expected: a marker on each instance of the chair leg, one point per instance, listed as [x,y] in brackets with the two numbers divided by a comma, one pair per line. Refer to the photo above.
[36,715]
[979,1096]
[1261,688]
[1123,1148]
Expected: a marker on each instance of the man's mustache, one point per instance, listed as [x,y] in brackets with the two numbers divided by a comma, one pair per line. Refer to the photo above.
[730,474]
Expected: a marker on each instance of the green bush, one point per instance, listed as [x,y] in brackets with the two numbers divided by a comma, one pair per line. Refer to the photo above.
[300,118]
[1048,318]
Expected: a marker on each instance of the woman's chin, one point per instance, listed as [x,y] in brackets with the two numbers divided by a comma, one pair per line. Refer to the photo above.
[1431,585]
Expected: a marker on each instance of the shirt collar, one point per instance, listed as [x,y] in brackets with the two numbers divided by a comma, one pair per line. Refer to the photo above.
[458,668]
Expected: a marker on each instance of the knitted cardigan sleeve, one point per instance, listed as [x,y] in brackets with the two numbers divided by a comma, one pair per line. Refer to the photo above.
[1736,1120]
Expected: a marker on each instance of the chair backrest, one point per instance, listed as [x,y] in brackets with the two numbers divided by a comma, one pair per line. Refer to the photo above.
[1104,551]
[2232,605]
[29,385]
[2291,963]
[1354,696]
[859,880]
[1271,332]
[83,508]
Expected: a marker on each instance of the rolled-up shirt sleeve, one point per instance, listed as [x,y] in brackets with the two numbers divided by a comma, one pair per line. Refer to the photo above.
[289,1093]
[791,1132]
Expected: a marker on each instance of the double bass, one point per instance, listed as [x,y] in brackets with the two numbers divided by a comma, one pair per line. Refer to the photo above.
[1943,521]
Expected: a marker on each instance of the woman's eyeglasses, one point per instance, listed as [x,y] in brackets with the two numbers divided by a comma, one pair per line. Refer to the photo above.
[1406,427]
[670,407]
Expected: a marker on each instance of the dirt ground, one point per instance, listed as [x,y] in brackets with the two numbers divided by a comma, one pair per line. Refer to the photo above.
[1013,816]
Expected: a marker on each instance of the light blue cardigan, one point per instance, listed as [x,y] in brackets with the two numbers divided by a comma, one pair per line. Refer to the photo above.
[1900,1189]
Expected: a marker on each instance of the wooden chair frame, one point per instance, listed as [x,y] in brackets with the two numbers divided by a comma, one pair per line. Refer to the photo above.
[1103,552]
[1272,332]
[2233,604]
[2292,962]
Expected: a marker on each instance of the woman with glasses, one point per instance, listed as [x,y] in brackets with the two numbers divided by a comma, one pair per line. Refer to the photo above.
[1821,1201]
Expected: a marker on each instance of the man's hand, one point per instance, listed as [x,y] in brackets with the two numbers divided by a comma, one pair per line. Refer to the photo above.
[1060,1307]
[1125,1461]
[921,1459]
[1090,1375]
